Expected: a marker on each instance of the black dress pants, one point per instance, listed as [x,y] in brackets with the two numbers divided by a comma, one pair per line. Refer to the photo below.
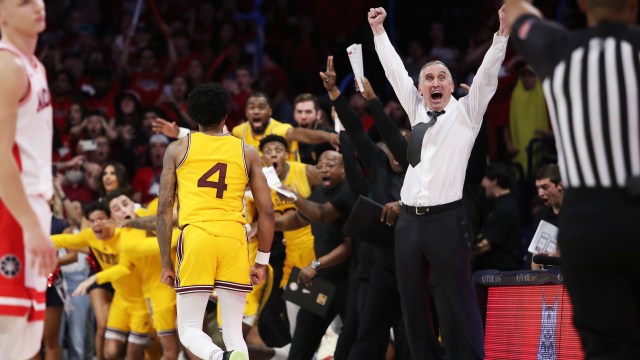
[355,304]
[431,247]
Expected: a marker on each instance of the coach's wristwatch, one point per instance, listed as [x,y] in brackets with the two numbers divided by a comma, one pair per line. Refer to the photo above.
[315,265]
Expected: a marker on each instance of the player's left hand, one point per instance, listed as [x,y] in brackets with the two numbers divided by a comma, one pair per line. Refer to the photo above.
[257,273]
[42,252]
[168,276]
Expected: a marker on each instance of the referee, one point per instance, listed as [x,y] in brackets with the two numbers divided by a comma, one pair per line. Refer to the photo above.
[590,80]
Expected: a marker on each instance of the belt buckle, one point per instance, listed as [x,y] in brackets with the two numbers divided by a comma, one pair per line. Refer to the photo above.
[422,213]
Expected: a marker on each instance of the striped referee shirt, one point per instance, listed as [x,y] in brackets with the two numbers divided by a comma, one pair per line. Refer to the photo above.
[590,79]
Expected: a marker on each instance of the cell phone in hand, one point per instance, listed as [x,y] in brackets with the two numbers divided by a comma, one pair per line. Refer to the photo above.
[88,145]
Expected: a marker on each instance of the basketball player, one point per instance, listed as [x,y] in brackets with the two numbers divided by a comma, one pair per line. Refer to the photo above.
[260,124]
[301,178]
[26,185]
[208,171]
[128,320]
[140,254]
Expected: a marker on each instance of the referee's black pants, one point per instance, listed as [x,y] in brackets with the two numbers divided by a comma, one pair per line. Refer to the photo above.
[599,243]
[435,247]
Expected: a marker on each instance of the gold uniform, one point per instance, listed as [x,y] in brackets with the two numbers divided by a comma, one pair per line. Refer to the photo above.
[128,311]
[151,209]
[212,249]
[299,251]
[258,297]
[244,132]
[141,255]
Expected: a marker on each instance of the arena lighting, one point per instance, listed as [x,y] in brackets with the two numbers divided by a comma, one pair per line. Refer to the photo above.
[528,316]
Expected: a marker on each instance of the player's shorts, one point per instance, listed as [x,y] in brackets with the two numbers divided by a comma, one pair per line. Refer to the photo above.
[128,318]
[213,254]
[18,342]
[22,290]
[296,255]
[162,307]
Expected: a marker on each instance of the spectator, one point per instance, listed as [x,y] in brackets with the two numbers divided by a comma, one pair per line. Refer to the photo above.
[528,116]
[146,180]
[306,113]
[415,59]
[550,191]
[147,79]
[101,93]
[74,183]
[62,99]
[439,51]
[240,88]
[499,244]
[174,104]
[102,152]
[95,124]
[113,176]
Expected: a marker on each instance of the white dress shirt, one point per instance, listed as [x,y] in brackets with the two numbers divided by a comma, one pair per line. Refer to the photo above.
[439,177]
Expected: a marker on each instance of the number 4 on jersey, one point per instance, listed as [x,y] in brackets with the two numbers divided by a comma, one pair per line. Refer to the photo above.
[219,185]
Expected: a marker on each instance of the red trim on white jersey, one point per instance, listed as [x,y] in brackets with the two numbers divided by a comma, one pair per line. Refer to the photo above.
[34,127]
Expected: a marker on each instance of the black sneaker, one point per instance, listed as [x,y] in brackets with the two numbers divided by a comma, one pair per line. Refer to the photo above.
[234,355]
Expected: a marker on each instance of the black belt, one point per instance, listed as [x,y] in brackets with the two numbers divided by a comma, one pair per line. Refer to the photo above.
[424,210]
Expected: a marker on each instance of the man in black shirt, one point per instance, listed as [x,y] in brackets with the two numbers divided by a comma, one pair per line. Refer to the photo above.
[550,191]
[590,80]
[500,242]
[327,209]
[375,265]
[306,112]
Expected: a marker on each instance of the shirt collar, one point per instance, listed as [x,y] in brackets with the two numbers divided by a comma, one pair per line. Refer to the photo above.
[446,109]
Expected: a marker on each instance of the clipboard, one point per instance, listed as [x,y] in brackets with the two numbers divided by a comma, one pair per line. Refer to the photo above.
[316,297]
[364,222]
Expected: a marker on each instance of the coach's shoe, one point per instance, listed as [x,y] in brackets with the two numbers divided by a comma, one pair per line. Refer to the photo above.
[234,355]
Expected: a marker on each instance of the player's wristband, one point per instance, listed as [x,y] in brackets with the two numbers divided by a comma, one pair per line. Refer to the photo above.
[262,258]
[183,132]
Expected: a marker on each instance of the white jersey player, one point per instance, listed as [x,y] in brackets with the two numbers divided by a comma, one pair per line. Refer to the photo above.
[26,252]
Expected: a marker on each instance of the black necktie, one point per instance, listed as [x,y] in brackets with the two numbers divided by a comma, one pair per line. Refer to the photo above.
[417,135]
